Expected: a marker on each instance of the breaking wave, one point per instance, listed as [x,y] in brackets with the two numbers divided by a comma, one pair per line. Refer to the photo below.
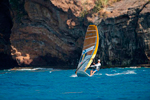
[133,67]
[122,73]
[30,69]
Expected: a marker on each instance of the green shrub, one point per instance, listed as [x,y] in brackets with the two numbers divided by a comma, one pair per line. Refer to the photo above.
[99,4]
[83,13]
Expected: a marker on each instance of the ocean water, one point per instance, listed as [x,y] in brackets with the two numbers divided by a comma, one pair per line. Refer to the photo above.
[49,84]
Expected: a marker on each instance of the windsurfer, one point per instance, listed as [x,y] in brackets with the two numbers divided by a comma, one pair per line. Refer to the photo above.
[96,67]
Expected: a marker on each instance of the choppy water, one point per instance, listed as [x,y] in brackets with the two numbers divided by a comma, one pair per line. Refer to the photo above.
[107,84]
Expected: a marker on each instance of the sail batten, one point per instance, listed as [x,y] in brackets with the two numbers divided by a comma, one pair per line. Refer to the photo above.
[90,48]
[90,37]
[91,30]
[89,45]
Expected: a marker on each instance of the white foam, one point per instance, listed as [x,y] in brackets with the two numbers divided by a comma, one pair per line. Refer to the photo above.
[122,73]
[30,69]
[74,75]
[130,72]
[98,74]
[38,68]
[112,74]
[25,69]
[50,71]
[133,67]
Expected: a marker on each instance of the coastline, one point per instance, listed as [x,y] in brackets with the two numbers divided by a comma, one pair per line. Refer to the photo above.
[56,67]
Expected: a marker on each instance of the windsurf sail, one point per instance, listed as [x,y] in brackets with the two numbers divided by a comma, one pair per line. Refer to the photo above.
[90,48]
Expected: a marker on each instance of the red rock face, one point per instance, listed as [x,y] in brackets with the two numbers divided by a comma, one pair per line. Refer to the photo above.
[46,35]
[51,32]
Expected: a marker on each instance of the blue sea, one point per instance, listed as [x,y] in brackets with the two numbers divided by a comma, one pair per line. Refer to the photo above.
[54,84]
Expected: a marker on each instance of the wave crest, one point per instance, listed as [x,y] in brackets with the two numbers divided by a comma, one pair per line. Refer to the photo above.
[122,73]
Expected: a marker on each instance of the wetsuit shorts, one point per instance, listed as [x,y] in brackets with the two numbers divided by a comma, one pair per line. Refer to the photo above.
[95,70]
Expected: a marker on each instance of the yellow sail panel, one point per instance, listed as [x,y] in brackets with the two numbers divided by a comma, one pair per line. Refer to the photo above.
[90,47]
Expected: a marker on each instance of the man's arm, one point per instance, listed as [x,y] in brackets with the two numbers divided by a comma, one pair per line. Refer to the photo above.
[93,65]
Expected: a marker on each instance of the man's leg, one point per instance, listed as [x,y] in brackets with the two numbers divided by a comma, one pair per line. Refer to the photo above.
[93,72]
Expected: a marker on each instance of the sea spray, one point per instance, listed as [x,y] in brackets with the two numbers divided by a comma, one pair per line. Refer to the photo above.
[122,73]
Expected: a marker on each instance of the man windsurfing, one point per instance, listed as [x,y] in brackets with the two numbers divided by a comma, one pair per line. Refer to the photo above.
[96,67]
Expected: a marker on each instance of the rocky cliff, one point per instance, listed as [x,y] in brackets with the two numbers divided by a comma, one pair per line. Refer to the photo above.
[124,33]
[6,60]
[51,32]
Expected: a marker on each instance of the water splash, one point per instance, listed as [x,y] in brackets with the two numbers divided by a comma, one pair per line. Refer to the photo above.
[74,75]
[50,71]
[98,74]
[122,73]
